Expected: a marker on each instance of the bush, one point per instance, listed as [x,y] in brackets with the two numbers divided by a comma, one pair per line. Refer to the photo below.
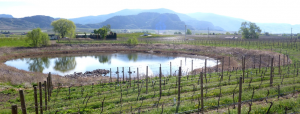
[132,41]
[37,38]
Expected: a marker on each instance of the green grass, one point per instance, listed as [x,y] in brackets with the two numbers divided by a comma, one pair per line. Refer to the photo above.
[13,42]
[138,35]
[88,99]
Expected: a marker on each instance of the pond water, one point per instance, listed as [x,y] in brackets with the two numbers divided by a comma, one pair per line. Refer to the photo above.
[64,65]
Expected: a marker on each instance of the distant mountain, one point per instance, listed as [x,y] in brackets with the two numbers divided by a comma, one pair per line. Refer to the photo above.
[225,22]
[233,24]
[279,27]
[102,18]
[26,22]
[203,25]
[148,20]
[6,16]
[94,21]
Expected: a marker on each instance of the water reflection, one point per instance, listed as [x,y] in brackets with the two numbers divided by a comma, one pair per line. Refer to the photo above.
[65,64]
[70,64]
[104,59]
[132,56]
[38,64]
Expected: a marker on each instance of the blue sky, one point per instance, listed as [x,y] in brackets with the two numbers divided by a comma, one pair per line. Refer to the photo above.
[264,11]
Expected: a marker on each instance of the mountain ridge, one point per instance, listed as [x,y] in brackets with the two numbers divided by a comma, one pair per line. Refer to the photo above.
[6,16]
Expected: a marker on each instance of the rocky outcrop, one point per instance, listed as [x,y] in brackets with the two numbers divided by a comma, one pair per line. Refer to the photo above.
[94,73]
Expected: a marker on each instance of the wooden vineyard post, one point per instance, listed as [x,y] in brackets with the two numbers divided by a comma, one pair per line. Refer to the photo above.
[229,64]
[217,65]
[283,59]
[243,68]
[222,68]
[14,109]
[137,74]
[279,72]
[271,73]
[123,74]
[22,99]
[110,75]
[35,101]
[160,82]
[254,62]
[45,87]
[259,62]
[205,68]
[192,66]
[118,79]
[48,88]
[147,80]
[287,59]
[179,78]
[41,98]
[240,96]
[50,85]
[129,77]
[202,106]
[170,69]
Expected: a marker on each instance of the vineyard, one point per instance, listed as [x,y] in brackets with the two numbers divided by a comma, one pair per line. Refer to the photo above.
[256,87]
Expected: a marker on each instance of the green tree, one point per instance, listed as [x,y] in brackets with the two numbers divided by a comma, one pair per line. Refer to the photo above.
[103,32]
[267,34]
[85,35]
[227,33]
[64,27]
[249,30]
[175,33]
[188,32]
[37,38]
[179,33]
[108,27]
[298,35]
[96,32]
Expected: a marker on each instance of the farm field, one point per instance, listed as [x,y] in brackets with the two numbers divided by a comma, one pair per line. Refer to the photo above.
[271,89]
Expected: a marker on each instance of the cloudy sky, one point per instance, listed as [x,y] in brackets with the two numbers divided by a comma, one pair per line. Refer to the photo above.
[265,11]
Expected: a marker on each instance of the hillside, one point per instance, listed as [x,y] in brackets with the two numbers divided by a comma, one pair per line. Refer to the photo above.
[227,23]
[142,21]
[6,16]
[125,12]
[93,21]
[150,20]
[26,22]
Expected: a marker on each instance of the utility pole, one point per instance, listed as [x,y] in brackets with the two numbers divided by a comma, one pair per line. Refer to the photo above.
[208,32]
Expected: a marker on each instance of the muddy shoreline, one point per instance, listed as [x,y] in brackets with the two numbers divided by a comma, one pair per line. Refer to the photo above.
[16,76]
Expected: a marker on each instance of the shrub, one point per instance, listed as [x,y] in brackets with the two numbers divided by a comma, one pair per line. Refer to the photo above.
[132,41]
